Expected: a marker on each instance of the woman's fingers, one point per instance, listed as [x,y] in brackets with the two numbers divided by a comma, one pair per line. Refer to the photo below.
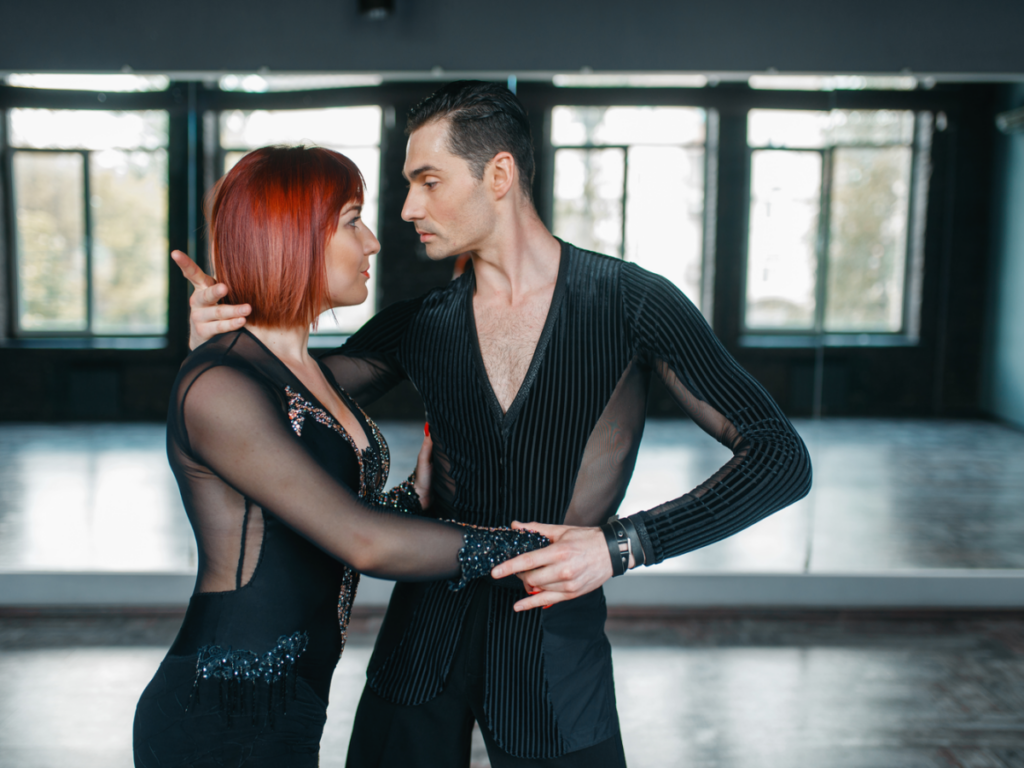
[191,270]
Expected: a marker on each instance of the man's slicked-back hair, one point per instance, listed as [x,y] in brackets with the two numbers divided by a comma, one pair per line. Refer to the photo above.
[483,120]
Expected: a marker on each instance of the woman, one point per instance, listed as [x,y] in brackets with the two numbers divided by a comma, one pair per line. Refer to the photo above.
[282,475]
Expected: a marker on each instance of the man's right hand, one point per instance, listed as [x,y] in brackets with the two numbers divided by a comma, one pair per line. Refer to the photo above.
[207,318]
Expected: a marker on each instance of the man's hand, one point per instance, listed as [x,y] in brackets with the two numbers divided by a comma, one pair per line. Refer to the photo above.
[575,563]
[207,318]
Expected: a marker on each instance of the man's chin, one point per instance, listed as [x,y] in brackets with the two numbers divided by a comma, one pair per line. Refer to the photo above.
[439,252]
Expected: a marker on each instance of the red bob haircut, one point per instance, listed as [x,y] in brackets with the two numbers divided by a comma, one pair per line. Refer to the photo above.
[270,220]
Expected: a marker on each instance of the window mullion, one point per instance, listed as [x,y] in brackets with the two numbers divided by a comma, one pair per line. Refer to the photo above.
[625,193]
[87,219]
[708,242]
[910,236]
[824,236]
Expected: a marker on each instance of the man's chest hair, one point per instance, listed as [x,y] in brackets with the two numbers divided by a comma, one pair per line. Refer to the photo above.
[508,338]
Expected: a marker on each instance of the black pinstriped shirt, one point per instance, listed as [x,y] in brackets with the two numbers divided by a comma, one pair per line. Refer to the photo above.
[563,453]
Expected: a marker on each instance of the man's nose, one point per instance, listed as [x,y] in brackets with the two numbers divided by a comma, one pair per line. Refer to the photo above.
[411,209]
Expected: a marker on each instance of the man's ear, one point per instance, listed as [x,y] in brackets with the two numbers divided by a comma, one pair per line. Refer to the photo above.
[500,174]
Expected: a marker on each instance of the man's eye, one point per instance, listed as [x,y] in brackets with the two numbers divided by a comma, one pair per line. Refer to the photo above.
[430,184]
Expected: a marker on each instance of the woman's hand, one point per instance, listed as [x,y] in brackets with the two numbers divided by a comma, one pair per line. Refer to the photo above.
[423,468]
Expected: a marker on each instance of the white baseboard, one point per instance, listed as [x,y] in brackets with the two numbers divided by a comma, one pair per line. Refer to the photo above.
[992,589]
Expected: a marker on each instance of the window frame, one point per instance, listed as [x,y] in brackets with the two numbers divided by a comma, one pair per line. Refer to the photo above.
[192,162]
[710,183]
[15,97]
[910,320]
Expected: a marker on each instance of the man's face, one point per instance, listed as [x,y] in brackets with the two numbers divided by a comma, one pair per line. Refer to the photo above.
[449,206]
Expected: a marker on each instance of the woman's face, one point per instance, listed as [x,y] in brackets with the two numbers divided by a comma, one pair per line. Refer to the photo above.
[347,258]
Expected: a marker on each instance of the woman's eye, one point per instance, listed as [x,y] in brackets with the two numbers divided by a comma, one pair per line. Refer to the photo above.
[355,221]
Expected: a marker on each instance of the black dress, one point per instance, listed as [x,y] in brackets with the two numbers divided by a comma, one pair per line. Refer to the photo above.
[564,452]
[285,509]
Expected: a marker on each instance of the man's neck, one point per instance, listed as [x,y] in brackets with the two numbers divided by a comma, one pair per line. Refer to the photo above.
[521,259]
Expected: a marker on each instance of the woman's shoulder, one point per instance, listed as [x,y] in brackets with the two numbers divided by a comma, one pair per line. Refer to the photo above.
[235,355]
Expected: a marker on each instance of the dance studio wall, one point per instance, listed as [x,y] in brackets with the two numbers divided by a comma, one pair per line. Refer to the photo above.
[941,36]
[1003,382]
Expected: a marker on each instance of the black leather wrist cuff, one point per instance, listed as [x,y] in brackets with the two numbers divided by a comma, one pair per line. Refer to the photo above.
[620,560]
[640,521]
[635,545]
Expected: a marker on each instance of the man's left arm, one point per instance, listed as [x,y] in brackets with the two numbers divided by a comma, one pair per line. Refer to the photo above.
[770,467]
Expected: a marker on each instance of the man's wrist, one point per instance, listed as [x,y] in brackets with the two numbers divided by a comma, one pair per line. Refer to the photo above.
[617,539]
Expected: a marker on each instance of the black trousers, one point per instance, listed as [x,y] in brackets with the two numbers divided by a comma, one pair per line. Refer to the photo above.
[437,734]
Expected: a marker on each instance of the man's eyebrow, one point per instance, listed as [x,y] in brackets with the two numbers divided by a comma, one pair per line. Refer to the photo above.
[419,172]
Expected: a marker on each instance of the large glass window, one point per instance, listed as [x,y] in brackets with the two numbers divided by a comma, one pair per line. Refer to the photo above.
[90,202]
[353,131]
[630,182]
[833,244]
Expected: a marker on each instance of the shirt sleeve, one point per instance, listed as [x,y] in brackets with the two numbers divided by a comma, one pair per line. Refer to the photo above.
[770,468]
[235,427]
[368,364]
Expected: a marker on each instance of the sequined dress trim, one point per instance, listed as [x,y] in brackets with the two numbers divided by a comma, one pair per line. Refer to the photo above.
[239,672]
[485,548]
[374,466]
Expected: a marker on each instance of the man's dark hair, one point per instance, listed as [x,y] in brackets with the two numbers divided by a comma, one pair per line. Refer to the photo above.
[483,120]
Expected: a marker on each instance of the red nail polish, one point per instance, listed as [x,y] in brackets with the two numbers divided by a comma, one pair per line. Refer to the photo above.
[544,608]
[426,429]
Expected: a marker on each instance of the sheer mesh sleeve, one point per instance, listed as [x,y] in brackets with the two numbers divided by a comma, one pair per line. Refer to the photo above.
[233,425]
[770,468]
[367,365]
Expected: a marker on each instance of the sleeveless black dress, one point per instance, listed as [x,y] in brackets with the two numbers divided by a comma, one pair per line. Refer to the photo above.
[286,511]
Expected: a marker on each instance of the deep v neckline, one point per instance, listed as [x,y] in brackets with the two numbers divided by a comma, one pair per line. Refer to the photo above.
[304,391]
[506,418]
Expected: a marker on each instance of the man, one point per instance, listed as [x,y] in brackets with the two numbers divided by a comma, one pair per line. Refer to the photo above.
[534,369]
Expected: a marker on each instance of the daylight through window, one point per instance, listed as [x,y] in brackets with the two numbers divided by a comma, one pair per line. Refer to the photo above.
[833,239]
[630,182]
[90,202]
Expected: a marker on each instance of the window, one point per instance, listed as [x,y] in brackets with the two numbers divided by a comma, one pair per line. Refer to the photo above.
[353,131]
[835,238]
[630,182]
[90,221]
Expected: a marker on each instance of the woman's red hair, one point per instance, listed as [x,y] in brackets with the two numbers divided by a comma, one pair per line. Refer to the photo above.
[270,220]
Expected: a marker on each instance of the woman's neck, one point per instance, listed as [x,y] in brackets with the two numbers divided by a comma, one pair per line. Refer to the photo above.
[291,345]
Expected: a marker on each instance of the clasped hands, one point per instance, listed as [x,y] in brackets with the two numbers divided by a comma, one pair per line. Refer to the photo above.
[575,563]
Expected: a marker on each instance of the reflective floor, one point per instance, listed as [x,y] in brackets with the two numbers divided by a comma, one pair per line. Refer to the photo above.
[695,691]
[888,494]
[753,690]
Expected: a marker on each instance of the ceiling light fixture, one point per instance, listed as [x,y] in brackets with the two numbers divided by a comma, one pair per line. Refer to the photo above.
[376,10]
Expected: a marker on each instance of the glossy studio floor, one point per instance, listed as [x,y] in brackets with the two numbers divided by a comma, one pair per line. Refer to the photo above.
[879,623]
